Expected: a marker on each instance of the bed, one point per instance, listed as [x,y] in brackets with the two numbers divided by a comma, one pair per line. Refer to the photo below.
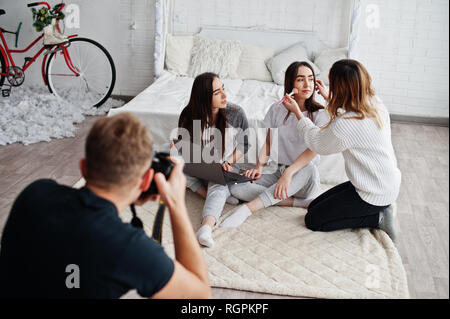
[251,67]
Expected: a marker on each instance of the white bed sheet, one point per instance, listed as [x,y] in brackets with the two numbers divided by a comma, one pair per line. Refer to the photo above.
[160,105]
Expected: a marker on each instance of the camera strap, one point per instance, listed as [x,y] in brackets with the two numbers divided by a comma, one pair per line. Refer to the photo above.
[135,221]
[157,224]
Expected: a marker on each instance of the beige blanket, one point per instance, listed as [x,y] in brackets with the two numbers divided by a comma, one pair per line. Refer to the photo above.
[273,252]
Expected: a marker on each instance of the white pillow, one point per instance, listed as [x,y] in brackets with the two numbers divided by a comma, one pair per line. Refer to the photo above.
[178,53]
[214,55]
[252,65]
[279,63]
[326,59]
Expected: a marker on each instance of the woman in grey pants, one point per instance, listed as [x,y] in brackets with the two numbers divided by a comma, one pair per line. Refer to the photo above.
[295,181]
[208,124]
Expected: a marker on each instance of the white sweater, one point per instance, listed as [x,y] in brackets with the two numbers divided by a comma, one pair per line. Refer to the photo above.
[370,162]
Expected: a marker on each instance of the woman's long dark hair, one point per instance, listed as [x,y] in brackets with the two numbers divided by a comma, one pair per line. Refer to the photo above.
[200,108]
[289,79]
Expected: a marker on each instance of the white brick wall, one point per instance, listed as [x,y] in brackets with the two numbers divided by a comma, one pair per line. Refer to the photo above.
[329,18]
[408,55]
[137,46]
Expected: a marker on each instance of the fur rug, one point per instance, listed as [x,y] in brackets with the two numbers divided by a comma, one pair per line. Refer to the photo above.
[32,114]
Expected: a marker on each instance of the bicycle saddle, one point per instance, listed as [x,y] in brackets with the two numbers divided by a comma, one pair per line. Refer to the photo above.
[2,12]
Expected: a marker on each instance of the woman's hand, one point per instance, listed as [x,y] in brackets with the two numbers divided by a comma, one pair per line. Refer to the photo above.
[292,106]
[281,190]
[321,89]
[254,173]
[227,167]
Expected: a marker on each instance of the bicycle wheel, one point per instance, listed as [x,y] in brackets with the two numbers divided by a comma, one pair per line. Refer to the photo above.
[96,76]
[2,69]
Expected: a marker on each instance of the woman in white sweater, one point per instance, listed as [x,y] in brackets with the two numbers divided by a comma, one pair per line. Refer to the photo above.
[359,127]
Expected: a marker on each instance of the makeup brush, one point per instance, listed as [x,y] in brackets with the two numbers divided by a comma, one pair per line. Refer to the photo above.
[294,91]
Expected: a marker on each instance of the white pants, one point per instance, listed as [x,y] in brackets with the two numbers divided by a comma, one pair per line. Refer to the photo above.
[305,184]
[216,196]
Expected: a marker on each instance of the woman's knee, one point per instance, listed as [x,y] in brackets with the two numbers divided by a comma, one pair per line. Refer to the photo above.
[216,190]
[192,183]
[246,192]
[311,221]
[307,182]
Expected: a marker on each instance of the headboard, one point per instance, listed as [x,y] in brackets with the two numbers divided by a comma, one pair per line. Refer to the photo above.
[276,39]
[279,40]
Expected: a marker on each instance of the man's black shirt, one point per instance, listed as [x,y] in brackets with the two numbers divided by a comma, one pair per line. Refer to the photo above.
[52,229]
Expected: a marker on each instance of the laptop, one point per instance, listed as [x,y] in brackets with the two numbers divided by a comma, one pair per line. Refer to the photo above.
[214,173]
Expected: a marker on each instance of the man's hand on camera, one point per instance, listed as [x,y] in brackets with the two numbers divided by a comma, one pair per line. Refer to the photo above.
[173,190]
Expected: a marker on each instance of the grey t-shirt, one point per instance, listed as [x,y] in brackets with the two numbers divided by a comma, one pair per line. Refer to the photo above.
[235,134]
[286,142]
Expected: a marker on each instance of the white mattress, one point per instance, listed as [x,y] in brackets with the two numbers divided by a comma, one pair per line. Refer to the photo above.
[160,105]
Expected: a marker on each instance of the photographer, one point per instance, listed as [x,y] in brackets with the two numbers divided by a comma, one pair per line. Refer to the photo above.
[61,242]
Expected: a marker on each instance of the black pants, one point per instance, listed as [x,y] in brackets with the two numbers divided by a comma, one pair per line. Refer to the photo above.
[339,208]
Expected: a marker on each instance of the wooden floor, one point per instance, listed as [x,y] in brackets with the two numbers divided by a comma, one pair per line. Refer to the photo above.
[423,204]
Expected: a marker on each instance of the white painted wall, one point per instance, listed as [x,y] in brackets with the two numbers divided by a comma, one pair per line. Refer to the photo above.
[106,21]
[407,55]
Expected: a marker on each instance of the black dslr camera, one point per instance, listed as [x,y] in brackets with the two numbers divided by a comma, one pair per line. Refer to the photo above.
[160,164]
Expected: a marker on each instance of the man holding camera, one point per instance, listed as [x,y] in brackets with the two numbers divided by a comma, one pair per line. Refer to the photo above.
[61,242]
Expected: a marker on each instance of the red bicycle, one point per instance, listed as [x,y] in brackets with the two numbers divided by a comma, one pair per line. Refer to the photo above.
[80,69]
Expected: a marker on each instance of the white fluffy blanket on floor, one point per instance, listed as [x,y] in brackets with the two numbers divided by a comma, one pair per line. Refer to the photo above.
[273,252]
[32,114]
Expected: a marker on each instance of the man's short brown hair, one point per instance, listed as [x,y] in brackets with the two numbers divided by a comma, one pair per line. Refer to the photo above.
[118,151]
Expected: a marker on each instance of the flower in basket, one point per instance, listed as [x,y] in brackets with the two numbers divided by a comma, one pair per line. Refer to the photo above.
[43,17]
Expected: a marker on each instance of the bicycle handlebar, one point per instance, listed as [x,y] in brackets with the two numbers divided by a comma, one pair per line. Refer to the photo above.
[33,4]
